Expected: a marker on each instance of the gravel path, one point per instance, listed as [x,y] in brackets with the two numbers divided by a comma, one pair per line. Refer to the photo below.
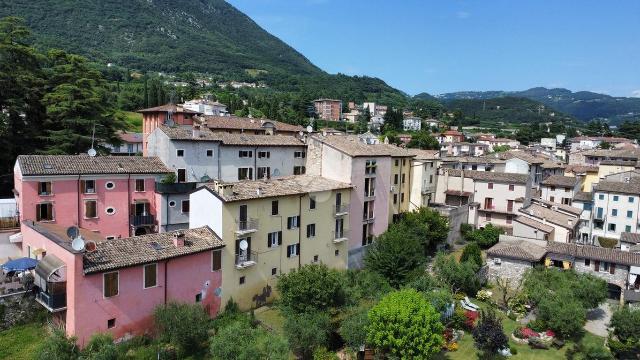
[598,320]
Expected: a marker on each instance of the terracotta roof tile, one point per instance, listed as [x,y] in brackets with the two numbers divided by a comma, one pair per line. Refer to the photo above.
[630,237]
[491,176]
[559,180]
[353,146]
[169,107]
[594,253]
[86,165]
[517,249]
[534,224]
[144,249]
[632,187]
[185,133]
[240,123]
[550,215]
[583,196]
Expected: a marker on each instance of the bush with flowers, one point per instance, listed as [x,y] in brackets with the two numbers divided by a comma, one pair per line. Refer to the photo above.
[484,295]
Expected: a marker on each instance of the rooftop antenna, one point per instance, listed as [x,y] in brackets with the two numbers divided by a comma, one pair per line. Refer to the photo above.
[92,152]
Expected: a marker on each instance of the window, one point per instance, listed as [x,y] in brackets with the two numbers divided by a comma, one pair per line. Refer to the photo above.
[404,162]
[198,297]
[242,280]
[264,172]
[44,188]
[299,170]
[509,219]
[110,284]
[264,154]
[616,197]
[612,227]
[370,187]
[401,197]
[139,184]
[312,202]
[111,237]
[395,198]
[274,207]
[209,153]
[274,271]
[88,186]
[397,162]
[487,217]
[180,153]
[474,167]
[587,262]
[367,236]
[627,228]
[293,250]
[395,179]
[293,222]
[182,175]
[370,167]
[566,201]
[150,275]
[311,230]
[245,153]
[316,258]
[216,260]
[245,173]
[90,209]
[566,189]
[184,206]
[336,253]
[509,205]
[274,239]
[553,188]
[629,214]
[490,186]
[512,187]
[587,206]
[403,178]
[601,196]
[111,323]
[44,212]
[430,179]
[614,212]
[552,198]
[368,210]
[172,203]
[631,199]
[300,154]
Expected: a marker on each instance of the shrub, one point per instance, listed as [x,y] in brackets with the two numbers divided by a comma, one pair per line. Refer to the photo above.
[513,350]
[565,316]
[457,320]
[485,237]
[590,351]
[324,354]
[184,325]
[458,276]
[488,335]
[230,315]
[365,285]
[170,178]
[484,295]
[404,324]
[307,332]
[625,338]
[470,319]
[311,288]
[465,229]
[100,347]
[239,341]
[536,325]
[608,243]
[57,346]
[353,328]
[424,283]
[472,253]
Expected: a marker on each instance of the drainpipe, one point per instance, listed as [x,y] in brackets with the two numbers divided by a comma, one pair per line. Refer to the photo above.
[78,222]
[166,265]
[255,163]
[300,232]
[129,202]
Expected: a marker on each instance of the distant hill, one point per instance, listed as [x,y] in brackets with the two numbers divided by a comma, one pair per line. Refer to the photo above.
[203,36]
[584,105]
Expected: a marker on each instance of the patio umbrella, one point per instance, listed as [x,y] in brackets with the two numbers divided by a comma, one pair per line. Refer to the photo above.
[21,264]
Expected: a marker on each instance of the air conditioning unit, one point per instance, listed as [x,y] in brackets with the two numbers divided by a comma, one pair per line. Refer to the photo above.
[497,261]
[393,188]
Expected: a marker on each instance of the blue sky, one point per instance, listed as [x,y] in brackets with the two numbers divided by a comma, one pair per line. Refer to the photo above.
[450,45]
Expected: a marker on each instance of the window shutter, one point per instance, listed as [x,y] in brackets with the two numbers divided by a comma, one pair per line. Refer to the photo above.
[597,265]
[612,269]
[298,248]
[279,237]
[240,153]
[250,173]
[268,240]
[217,260]
[288,251]
[289,223]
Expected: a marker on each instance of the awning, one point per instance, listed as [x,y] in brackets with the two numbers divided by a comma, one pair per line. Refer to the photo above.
[22,264]
[16,238]
[52,269]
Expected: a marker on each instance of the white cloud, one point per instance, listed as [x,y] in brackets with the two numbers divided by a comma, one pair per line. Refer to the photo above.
[635,93]
[463,14]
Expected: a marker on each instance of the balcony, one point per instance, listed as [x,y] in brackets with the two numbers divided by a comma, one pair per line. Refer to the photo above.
[175,188]
[244,227]
[141,220]
[11,222]
[340,236]
[52,302]
[246,260]
[341,210]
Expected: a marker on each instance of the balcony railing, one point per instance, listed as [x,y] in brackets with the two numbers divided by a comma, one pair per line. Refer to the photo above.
[52,302]
[340,236]
[246,226]
[341,209]
[246,260]
[10,222]
[140,220]
[368,217]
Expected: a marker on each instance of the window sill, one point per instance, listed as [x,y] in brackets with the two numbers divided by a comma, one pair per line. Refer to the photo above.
[46,195]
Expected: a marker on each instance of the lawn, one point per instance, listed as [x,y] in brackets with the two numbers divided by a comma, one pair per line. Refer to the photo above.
[21,342]
[271,318]
[467,350]
[134,120]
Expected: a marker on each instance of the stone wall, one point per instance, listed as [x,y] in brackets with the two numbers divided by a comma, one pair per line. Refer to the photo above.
[508,269]
[619,278]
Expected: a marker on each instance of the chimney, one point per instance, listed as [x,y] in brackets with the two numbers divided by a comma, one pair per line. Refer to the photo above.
[195,133]
[178,239]
[225,190]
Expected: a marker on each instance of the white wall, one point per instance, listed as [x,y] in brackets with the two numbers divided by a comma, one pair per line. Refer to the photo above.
[205,209]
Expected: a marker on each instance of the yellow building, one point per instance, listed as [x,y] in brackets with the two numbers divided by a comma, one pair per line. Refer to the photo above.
[587,174]
[400,197]
[271,227]
[608,167]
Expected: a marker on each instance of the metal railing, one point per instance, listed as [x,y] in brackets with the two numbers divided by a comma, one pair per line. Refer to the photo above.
[52,302]
[341,209]
[247,259]
[340,235]
[138,220]
[10,222]
[246,225]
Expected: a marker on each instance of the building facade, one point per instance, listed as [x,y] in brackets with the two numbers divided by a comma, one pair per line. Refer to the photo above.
[328,109]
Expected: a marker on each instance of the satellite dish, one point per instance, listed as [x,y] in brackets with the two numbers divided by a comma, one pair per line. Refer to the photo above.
[301,133]
[309,128]
[90,246]
[276,172]
[244,245]
[73,232]
[78,244]
[92,152]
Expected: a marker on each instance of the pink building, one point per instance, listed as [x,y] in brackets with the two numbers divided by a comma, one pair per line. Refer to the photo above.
[110,195]
[168,114]
[114,285]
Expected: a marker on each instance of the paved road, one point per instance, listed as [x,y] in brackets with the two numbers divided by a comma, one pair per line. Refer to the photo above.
[598,319]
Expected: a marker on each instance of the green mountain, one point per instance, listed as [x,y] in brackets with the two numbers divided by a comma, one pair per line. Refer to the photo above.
[202,36]
[584,105]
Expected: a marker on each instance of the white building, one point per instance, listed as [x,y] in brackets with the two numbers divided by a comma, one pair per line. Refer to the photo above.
[424,177]
[412,124]
[206,107]
[616,206]
[560,189]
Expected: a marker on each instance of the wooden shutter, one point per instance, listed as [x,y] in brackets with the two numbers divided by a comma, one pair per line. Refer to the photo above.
[279,237]
[612,268]
[269,239]
[289,221]
[216,261]
[289,251]
[597,265]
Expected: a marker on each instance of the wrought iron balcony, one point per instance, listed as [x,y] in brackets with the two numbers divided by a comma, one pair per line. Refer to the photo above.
[246,260]
[342,209]
[140,220]
[246,226]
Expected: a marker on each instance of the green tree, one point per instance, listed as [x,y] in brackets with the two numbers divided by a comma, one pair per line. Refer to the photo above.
[485,237]
[589,351]
[457,276]
[393,120]
[313,287]
[428,226]
[501,148]
[241,341]
[624,341]
[363,120]
[353,327]
[184,325]
[57,346]
[307,332]
[489,335]
[472,253]
[405,324]
[423,140]
[396,255]
[77,100]
[366,285]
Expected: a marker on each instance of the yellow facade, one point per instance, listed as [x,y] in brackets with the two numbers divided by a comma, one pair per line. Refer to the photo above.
[400,196]
[604,170]
[260,278]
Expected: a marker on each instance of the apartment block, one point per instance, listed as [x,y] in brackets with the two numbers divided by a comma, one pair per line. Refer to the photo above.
[424,177]
[328,109]
[271,227]
[560,189]
[616,209]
